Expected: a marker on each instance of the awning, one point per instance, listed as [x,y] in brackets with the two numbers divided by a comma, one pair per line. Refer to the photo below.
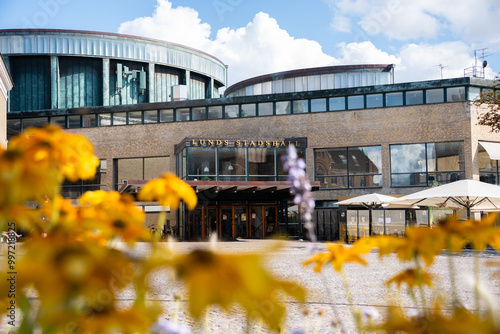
[493,149]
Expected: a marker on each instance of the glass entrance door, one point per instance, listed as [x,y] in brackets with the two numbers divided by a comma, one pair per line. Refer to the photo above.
[209,224]
[263,221]
[241,220]
[226,222]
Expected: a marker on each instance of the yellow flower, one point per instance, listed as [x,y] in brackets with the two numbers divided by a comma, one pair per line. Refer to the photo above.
[224,279]
[111,214]
[411,278]
[168,191]
[23,178]
[481,233]
[72,155]
[338,254]
[425,243]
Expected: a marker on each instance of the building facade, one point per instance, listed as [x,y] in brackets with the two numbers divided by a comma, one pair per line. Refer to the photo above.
[358,131]
[5,86]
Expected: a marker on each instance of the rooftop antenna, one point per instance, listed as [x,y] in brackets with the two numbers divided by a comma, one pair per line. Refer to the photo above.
[477,70]
[441,66]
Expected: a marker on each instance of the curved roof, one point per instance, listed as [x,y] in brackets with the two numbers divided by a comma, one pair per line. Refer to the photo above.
[101,44]
[307,71]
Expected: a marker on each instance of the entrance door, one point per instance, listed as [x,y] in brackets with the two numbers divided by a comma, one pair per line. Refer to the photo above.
[263,221]
[226,222]
[241,222]
[209,224]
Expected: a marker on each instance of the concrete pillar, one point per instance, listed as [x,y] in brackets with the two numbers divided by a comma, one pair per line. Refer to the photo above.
[152,76]
[187,82]
[105,82]
[54,82]
[211,89]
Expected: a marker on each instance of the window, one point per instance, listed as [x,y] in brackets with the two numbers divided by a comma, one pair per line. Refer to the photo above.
[318,105]
[232,111]
[248,110]
[182,115]
[314,82]
[426,164]
[488,168]
[337,103]
[135,117]
[474,93]
[455,94]
[199,113]
[139,169]
[215,112]
[277,86]
[232,164]
[265,109]
[356,102]
[300,106]
[327,81]
[59,120]
[394,99]
[414,97]
[151,116]
[283,107]
[434,95]
[349,167]
[104,120]
[120,118]
[374,101]
[89,121]
[166,115]
[74,121]
[76,189]
[261,164]
[201,163]
[35,122]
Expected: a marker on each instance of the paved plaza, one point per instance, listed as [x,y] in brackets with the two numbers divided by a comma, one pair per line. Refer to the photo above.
[327,302]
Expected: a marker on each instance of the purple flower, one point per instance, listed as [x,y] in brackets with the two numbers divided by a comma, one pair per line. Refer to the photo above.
[301,188]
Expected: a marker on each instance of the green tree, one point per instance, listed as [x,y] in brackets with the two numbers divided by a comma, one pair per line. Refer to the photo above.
[491,98]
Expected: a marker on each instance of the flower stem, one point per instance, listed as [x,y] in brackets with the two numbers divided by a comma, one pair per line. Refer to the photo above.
[159,225]
[476,280]
[355,315]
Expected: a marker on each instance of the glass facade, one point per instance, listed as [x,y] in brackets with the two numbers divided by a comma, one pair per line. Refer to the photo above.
[426,164]
[233,163]
[488,168]
[348,167]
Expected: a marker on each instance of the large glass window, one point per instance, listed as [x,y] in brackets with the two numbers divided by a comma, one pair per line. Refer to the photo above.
[89,120]
[135,117]
[232,164]
[139,169]
[35,122]
[488,168]
[426,164]
[201,163]
[74,121]
[59,120]
[119,118]
[349,167]
[261,164]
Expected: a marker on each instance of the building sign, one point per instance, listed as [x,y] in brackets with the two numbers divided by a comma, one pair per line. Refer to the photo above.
[201,142]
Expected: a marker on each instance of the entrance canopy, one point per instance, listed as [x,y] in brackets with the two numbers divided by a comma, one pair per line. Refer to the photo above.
[230,190]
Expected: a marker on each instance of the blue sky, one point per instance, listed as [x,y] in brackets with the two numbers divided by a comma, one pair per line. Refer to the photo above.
[257,37]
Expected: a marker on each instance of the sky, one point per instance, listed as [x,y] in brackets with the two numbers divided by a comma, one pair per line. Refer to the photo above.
[425,39]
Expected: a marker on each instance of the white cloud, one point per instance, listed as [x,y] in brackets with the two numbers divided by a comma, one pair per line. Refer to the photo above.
[263,47]
[260,47]
[180,25]
[471,21]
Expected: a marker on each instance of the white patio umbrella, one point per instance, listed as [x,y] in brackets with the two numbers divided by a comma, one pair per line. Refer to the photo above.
[369,201]
[463,194]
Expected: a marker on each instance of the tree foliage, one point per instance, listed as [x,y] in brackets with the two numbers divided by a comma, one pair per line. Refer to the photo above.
[491,98]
